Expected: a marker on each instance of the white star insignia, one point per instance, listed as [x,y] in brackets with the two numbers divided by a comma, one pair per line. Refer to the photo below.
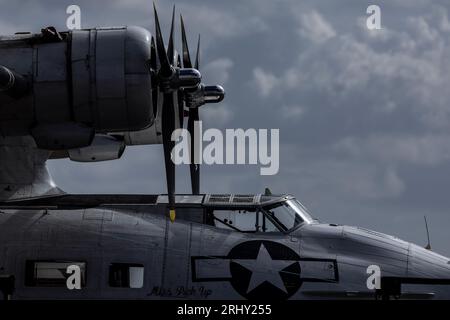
[265,269]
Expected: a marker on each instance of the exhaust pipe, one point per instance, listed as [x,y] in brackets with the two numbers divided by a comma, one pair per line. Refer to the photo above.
[12,83]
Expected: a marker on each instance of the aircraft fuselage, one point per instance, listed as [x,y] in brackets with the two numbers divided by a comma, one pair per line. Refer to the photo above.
[130,249]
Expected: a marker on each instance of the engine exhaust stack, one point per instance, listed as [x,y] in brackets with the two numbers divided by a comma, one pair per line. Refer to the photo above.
[12,83]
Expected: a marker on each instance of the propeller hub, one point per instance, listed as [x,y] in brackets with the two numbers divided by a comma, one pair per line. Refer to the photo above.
[214,94]
[189,78]
[194,97]
[204,94]
[184,78]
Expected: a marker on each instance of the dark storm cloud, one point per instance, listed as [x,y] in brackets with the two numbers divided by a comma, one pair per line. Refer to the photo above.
[363,115]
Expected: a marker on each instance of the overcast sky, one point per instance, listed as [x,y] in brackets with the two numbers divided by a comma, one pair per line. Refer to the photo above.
[364,116]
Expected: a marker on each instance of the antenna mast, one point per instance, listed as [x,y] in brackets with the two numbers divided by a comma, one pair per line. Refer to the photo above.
[428,246]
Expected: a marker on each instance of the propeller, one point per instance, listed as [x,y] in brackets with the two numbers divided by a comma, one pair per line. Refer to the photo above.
[170,79]
[176,84]
[195,98]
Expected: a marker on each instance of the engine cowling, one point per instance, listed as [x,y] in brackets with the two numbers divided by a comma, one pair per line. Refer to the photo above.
[110,78]
[96,79]
[102,148]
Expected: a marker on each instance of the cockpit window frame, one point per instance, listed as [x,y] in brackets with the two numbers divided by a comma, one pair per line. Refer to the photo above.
[254,210]
[228,225]
[276,223]
[275,204]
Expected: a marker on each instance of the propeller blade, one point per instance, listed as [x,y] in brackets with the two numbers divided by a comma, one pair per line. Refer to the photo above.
[186,56]
[168,126]
[180,96]
[170,48]
[166,70]
[197,58]
[168,113]
[193,167]
[193,116]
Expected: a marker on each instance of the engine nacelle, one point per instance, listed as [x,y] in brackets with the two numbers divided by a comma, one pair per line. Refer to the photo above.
[96,78]
[103,148]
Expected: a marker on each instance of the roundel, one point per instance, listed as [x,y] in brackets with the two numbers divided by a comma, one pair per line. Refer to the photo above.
[264,270]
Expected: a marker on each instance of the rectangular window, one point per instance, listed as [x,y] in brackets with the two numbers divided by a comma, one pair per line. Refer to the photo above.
[239,220]
[51,273]
[243,220]
[126,275]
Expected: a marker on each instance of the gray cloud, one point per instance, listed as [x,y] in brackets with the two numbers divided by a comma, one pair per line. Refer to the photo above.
[314,27]
[218,71]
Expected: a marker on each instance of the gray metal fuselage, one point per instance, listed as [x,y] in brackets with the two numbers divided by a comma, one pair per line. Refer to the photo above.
[193,258]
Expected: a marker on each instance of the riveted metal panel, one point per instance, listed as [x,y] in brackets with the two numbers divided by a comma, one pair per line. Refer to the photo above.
[50,83]
[52,64]
[51,101]
[18,59]
[426,263]
[81,76]
[16,117]
[112,114]
[80,45]
[92,73]
[139,100]
[110,63]
[137,50]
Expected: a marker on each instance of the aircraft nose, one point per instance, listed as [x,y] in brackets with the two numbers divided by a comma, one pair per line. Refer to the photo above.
[425,263]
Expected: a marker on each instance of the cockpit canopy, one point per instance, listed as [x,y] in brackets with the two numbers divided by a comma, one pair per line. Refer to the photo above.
[284,215]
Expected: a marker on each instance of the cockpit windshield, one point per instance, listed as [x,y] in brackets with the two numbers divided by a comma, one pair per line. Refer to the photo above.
[288,214]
